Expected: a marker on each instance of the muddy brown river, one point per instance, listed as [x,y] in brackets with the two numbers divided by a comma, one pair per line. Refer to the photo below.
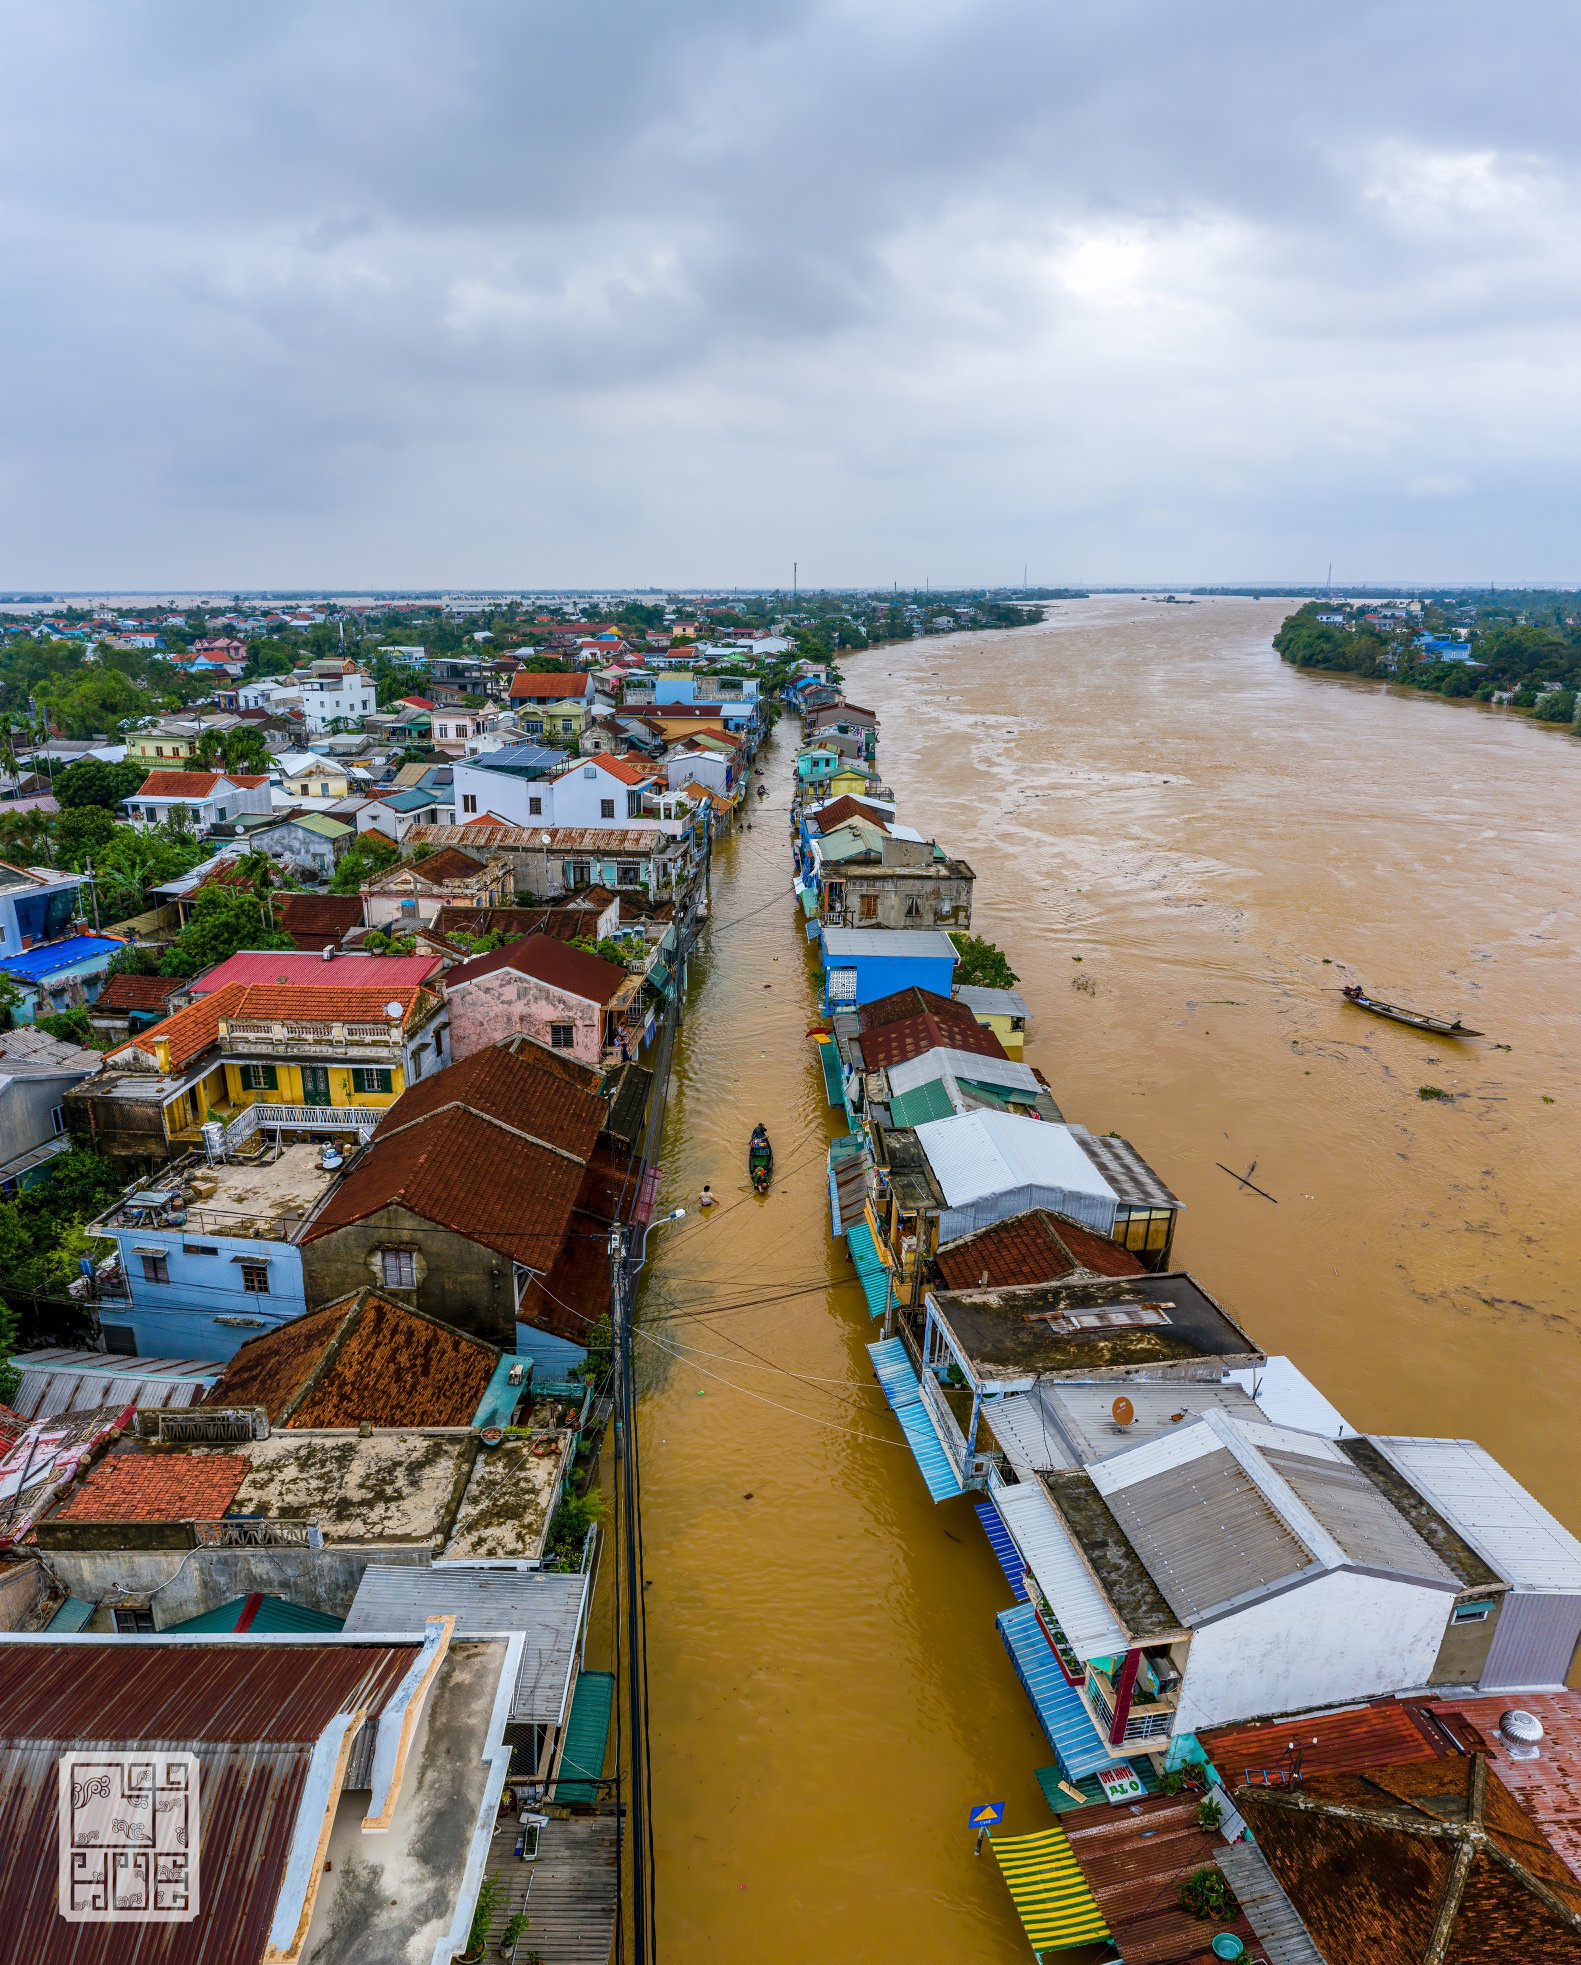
[1222,842]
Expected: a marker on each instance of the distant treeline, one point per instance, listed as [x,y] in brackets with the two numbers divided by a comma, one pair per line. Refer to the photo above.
[1524,650]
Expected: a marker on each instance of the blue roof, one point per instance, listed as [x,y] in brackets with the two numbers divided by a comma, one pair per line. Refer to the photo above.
[51,957]
[410,801]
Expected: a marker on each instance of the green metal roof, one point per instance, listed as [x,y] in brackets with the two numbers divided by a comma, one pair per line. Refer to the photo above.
[586,1735]
[322,823]
[270,1615]
[921,1103]
[73,1615]
[870,1271]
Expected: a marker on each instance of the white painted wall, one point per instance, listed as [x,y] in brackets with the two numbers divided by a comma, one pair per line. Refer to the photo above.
[1340,1637]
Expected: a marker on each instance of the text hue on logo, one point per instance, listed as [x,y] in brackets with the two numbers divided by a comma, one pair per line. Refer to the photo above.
[128,1837]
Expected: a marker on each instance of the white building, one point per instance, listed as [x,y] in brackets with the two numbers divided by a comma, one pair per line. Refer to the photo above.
[209,798]
[591,792]
[332,691]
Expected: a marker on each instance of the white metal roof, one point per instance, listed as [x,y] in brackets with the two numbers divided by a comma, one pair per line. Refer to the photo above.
[56,1380]
[992,1002]
[945,1061]
[1509,1528]
[1048,1551]
[910,942]
[978,1153]
[1024,1428]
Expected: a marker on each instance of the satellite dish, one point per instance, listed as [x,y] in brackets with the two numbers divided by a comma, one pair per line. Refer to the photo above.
[393,1012]
[1123,1410]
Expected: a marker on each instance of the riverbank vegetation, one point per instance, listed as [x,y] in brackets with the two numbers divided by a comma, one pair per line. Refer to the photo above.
[1521,650]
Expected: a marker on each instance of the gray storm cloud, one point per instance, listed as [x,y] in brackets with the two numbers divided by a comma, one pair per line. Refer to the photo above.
[387,293]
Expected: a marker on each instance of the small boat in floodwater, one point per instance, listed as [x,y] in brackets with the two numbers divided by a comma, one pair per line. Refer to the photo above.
[760,1161]
[1417,1019]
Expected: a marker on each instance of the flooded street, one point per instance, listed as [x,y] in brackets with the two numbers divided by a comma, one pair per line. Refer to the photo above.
[1150,790]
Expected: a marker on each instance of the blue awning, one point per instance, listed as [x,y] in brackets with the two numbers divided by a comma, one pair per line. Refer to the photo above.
[1056,1701]
[892,1365]
[1005,1551]
[870,1271]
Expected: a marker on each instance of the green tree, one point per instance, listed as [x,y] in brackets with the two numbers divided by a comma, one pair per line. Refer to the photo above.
[79,832]
[223,920]
[1558,706]
[10,1377]
[131,862]
[369,853]
[983,964]
[93,782]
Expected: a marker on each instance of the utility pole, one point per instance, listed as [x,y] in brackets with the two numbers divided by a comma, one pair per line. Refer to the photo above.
[625,1461]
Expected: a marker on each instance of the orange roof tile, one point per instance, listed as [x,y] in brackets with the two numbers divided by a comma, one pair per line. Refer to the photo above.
[188,1032]
[158,1487]
[179,784]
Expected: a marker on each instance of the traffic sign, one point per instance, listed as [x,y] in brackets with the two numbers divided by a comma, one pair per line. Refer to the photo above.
[988,1814]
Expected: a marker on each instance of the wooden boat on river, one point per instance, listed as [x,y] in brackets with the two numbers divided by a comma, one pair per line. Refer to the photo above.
[1417,1019]
[760,1161]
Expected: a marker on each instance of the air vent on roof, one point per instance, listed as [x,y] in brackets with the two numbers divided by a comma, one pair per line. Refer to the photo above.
[1520,1734]
[1114,1316]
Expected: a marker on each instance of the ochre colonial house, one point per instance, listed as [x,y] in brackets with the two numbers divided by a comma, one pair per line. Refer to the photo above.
[304,1059]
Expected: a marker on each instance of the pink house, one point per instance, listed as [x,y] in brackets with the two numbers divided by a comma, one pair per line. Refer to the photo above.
[542,988]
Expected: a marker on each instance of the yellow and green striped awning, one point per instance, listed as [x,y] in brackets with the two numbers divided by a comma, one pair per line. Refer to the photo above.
[1048,1890]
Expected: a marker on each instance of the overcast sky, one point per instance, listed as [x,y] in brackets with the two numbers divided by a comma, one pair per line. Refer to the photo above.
[532,292]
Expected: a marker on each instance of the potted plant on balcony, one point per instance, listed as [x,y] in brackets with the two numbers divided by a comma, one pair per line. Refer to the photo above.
[513,1933]
[482,1917]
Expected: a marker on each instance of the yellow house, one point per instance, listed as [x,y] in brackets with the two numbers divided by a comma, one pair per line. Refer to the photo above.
[852,779]
[1003,1011]
[306,775]
[297,1057]
[156,747]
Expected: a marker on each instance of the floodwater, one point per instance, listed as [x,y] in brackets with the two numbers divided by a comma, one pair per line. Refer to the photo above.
[1222,842]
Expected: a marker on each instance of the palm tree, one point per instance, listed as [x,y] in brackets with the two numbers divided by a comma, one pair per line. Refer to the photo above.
[255,869]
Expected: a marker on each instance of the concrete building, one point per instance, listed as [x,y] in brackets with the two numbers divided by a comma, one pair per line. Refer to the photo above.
[37,904]
[208,798]
[36,1072]
[861,964]
[561,997]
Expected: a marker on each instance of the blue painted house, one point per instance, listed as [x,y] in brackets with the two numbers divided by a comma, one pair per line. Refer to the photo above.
[862,964]
[56,975]
[37,904]
[210,1254]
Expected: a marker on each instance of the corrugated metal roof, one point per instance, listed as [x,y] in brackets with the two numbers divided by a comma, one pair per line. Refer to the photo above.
[1482,1501]
[948,1060]
[251,1713]
[1022,1425]
[1268,1910]
[1127,1173]
[1131,1857]
[982,1153]
[1204,1530]
[261,1613]
[486,1599]
[1085,1614]
[1368,1529]
[992,1002]
[1325,1743]
[913,943]
[1550,1785]
[56,1380]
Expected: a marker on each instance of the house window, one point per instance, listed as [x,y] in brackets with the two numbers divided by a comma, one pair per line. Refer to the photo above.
[535,806]
[469,801]
[156,1269]
[913,907]
[57,1118]
[867,907]
[255,1278]
[370,1078]
[1473,1613]
[398,1268]
[260,1077]
[197,1248]
[562,1036]
[132,1617]
[627,875]
[606,808]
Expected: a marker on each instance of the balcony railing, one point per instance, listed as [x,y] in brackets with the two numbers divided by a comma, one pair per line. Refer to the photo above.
[253,1119]
[313,1039]
[1143,1722]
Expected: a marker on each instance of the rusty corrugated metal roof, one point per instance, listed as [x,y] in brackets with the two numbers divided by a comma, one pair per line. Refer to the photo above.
[251,1713]
[1549,1787]
[1326,1743]
[1132,1856]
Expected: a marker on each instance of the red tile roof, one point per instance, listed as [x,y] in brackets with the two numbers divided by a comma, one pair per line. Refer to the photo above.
[1036,1247]
[625,770]
[912,1002]
[157,1487]
[312,920]
[550,961]
[846,807]
[190,1031]
[361,1358]
[179,784]
[1399,1863]
[137,992]
[493,1148]
[543,686]
[893,1043]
